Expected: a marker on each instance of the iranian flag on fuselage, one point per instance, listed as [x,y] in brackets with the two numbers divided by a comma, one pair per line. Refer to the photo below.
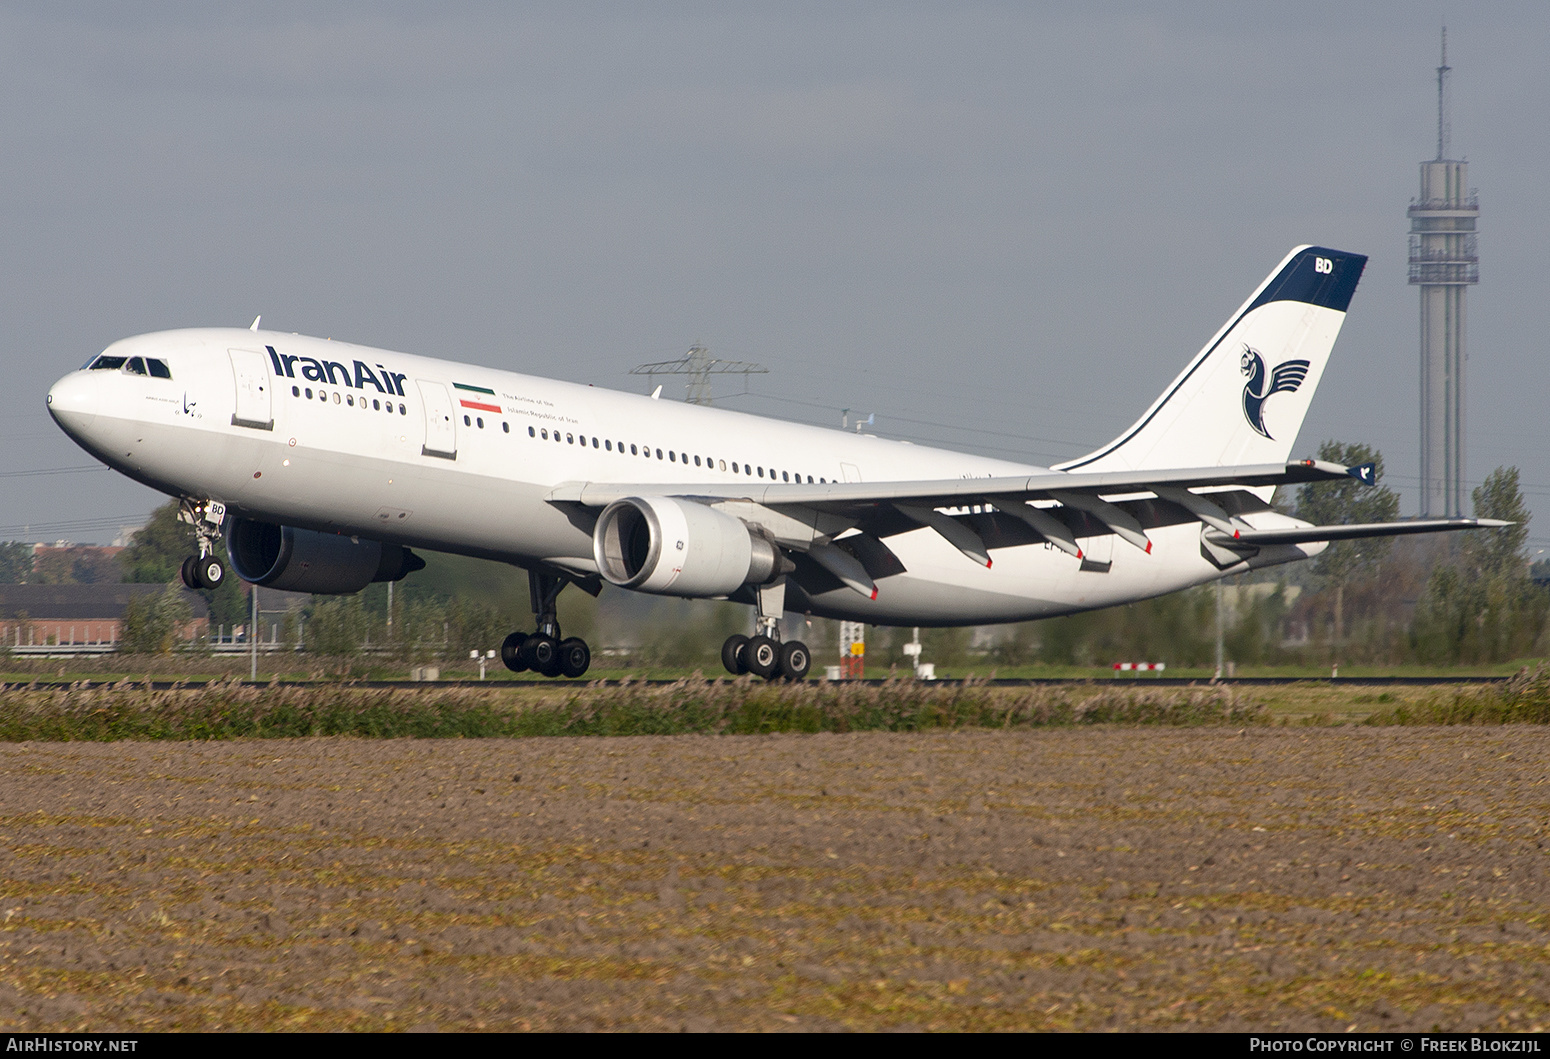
[481,405]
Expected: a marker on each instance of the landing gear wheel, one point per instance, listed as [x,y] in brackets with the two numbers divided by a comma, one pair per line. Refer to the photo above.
[511,652]
[541,653]
[190,572]
[209,572]
[762,657]
[732,655]
[574,656]
[795,660]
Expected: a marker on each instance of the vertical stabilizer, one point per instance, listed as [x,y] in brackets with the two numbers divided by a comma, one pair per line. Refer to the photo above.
[1243,397]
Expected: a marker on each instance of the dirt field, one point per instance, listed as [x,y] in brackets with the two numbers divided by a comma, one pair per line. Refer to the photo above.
[1312,879]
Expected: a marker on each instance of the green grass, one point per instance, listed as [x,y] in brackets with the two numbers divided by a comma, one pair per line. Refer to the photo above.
[228,710]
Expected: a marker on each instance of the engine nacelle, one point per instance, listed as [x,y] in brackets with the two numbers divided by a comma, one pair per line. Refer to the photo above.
[679,548]
[300,560]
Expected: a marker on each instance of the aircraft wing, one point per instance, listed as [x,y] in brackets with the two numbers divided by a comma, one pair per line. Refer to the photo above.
[845,497]
[843,525]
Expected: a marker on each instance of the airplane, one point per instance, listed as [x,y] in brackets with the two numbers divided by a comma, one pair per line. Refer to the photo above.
[324,463]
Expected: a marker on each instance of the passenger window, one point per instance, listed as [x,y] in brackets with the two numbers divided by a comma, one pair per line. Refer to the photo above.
[724,465]
[402,410]
[609,445]
[530,432]
[672,456]
[594,443]
[696,461]
[309,393]
[106,363]
[136,366]
[159,369]
[632,450]
[467,422]
[748,469]
[480,421]
[659,454]
[734,466]
[336,396]
[376,405]
[761,472]
[784,476]
[349,399]
[809,479]
[295,391]
[505,428]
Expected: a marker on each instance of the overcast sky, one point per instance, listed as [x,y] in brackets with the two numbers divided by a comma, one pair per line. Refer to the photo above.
[1003,228]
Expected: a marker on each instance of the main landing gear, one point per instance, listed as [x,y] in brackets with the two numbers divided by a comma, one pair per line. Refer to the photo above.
[204,570]
[544,652]
[763,654]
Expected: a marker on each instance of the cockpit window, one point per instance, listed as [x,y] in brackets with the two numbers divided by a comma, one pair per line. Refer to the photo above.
[136,366]
[106,363]
[158,368]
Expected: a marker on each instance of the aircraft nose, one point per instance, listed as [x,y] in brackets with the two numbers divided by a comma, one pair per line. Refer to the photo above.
[72,401]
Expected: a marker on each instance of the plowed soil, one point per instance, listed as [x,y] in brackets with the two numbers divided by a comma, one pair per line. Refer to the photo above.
[1314,879]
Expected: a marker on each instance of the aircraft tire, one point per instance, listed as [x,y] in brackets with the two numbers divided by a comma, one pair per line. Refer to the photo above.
[732,655]
[575,657]
[511,652]
[540,653]
[795,660]
[762,657]
[209,572]
[189,573]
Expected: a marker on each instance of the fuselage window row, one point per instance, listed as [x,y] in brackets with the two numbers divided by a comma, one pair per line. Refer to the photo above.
[349,399]
[672,455]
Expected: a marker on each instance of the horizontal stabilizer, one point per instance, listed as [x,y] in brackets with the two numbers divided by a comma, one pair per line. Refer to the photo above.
[1309,534]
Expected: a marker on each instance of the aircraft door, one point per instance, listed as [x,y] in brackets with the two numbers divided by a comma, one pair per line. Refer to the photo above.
[440,426]
[255,408]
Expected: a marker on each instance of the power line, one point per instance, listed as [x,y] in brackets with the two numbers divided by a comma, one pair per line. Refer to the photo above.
[52,470]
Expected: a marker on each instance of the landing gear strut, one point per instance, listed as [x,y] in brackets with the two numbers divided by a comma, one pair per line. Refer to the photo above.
[764,654]
[543,651]
[204,570]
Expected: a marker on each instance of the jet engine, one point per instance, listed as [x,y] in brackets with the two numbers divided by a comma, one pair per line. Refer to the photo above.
[300,560]
[680,548]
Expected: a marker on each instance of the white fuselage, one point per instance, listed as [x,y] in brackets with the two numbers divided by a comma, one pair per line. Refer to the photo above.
[459,458]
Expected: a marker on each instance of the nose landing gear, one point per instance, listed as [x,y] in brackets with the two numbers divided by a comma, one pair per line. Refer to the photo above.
[203,570]
[764,655]
[543,651]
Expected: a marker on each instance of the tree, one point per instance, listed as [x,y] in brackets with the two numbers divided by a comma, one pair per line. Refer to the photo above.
[152,624]
[15,563]
[1483,607]
[1499,553]
[74,566]
[1342,503]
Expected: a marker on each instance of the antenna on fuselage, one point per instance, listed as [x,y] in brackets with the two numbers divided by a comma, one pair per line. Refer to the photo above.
[256,319]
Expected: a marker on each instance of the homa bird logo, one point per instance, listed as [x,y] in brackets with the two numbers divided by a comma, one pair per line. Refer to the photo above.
[1284,379]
